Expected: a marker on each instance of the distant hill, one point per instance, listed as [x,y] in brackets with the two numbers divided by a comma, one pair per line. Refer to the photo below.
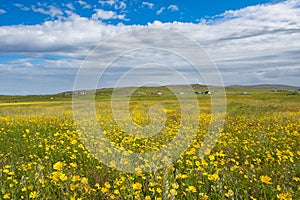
[146,91]
[271,86]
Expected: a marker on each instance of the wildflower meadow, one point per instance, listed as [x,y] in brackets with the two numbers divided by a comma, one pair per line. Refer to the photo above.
[42,155]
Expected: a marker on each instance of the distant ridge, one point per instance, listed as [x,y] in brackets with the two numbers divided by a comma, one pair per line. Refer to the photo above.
[194,86]
[265,86]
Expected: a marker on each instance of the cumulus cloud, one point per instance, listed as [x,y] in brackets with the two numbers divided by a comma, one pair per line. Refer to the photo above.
[84,4]
[121,5]
[51,10]
[148,4]
[2,11]
[105,15]
[37,76]
[108,2]
[70,6]
[257,44]
[22,7]
[173,7]
[160,10]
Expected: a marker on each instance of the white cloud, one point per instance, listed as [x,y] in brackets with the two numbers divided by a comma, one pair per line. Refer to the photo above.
[160,10]
[107,2]
[51,10]
[105,15]
[84,4]
[122,6]
[170,7]
[116,4]
[148,4]
[257,44]
[70,6]
[22,7]
[2,11]
[173,7]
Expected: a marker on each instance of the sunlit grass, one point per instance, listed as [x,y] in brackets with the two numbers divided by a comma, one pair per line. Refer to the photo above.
[257,156]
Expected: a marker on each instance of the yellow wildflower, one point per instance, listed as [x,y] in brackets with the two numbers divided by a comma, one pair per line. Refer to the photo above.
[265,179]
[6,196]
[58,166]
[33,195]
[136,186]
[230,193]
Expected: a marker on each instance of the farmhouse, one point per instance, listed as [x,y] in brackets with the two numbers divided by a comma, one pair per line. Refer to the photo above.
[157,93]
[205,92]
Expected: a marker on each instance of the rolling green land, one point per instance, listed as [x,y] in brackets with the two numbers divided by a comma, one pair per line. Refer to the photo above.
[43,156]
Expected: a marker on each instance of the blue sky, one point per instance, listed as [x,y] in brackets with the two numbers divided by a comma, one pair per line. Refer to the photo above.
[43,43]
[32,12]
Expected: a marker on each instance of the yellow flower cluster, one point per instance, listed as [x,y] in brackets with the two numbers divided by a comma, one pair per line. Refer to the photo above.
[44,156]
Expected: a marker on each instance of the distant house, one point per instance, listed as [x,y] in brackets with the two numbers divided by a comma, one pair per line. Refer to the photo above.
[298,90]
[157,93]
[67,93]
[205,92]
[80,92]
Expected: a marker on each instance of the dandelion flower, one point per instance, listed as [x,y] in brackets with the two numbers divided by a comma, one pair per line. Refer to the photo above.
[265,179]
[136,186]
[58,166]
[33,195]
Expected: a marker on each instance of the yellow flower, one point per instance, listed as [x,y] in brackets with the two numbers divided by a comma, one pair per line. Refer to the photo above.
[116,192]
[265,179]
[42,181]
[296,179]
[73,142]
[74,165]
[203,196]
[173,191]
[107,185]
[75,178]
[11,173]
[58,166]
[33,195]
[213,177]
[191,188]
[63,177]
[6,196]
[72,187]
[104,190]
[284,196]
[136,186]
[147,198]
[84,181]
[278,188]
[159,190]
[230,193]
[175,185]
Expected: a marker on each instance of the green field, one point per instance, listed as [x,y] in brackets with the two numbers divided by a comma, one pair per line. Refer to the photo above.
[42,154]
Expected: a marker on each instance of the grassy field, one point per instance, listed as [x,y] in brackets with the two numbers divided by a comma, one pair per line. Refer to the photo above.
[42,155]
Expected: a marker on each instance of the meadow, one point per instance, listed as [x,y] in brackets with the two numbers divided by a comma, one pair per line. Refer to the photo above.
[42,155]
